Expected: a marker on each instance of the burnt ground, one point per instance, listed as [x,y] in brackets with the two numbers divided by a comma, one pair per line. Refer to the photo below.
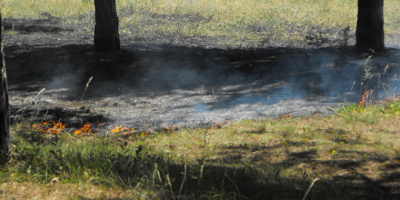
[153,83]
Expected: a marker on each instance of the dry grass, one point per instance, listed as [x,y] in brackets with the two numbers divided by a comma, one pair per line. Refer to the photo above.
[349,137]
[367,136]
[236,23]
[356,144]
[63,191]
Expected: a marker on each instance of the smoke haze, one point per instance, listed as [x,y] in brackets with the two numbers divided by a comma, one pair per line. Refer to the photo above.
[152,86]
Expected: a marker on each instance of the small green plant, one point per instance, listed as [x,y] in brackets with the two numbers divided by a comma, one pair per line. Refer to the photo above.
[349,109]
[391,107]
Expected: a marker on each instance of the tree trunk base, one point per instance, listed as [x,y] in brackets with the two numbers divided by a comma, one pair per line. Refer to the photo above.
[106,36]
[370,34]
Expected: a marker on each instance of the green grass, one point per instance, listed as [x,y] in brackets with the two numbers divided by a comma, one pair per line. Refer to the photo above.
[240,23]
[275,159]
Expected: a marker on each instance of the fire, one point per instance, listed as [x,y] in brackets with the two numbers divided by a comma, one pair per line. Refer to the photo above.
[169,129]
[145,133]
[85,130]
[49,127]
[391,99]
[57,128]
[364,98]
[124,130]
[39,127]
[287,116]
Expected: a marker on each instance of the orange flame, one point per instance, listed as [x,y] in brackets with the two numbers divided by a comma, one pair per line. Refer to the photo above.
[145,133]
[39,127]
[168,129]
[85,130]
[364,98]
[55,128]
[391,99]
[287,116]
[124,130]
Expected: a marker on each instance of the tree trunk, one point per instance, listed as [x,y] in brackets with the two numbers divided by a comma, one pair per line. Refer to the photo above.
[370,34]
[106,36]
[4,106]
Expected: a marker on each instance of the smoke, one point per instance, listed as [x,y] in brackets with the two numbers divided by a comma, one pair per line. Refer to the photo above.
[221,85]
[64,76]
[191,86]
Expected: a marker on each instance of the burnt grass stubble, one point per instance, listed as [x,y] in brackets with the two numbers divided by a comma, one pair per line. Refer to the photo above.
[154,83]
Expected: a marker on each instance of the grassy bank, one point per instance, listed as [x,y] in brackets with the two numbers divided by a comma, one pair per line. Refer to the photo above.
[238,23]
[341,155]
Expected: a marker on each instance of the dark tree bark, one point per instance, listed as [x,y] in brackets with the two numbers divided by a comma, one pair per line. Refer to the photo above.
[4,104]
[106,36]
[370,34]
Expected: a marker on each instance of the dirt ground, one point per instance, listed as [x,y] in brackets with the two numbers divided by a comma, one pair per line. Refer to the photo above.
[152,83]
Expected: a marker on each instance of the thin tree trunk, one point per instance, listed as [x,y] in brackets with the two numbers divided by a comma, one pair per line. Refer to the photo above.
[106,36]
[370,33]
[4,104]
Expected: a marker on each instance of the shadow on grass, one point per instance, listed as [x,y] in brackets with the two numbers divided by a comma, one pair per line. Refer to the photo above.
[353,184]
[114,163]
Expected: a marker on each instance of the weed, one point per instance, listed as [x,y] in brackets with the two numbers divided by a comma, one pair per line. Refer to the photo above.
[391,107]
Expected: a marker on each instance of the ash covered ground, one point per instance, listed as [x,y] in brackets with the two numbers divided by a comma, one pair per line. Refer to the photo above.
[154,84]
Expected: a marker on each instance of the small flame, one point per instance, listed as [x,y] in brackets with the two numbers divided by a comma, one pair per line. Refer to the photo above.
[146,133]
[85,130]
[57,128]
[49,127]
[391,99]
[39,127]
[287,116]
[169,129]
[364,98]
[123,130]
